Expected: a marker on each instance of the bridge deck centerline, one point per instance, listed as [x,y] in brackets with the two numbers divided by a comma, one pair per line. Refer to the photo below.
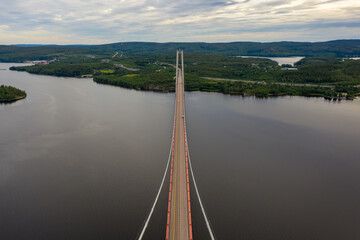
[179,218]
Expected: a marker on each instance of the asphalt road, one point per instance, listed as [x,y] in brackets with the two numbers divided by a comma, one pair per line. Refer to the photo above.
[179,217]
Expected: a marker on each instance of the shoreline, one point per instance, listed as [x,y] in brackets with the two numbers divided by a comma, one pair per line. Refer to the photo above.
[244,94]
[258,95]
[12,100]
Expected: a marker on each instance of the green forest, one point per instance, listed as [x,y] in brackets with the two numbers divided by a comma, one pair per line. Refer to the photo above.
[66,68]
[8,94]
[315,76]
[337,48]
[22,54]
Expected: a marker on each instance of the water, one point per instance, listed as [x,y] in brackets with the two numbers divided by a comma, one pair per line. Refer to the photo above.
[79,160]
[84,161]
[277,168]
[280,60]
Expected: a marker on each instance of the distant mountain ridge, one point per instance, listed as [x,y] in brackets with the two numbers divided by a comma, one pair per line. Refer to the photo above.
[44,45]
[338,48]
[32,45]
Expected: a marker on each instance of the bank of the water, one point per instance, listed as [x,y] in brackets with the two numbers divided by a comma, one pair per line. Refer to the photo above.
[267,81]
[12,100]
[279,60]
[248,88]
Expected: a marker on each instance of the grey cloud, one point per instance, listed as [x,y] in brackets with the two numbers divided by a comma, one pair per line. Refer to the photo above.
[139,19]
[274,3]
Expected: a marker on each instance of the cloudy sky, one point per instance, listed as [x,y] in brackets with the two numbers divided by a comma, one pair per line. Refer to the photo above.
[106,21]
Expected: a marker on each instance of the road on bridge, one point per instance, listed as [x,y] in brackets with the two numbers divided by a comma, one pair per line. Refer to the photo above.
[179,215]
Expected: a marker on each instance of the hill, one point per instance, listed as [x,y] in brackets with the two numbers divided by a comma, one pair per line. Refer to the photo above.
[29,53]
[337,48]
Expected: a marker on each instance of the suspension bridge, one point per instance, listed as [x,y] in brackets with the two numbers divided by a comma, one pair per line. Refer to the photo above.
[179,219]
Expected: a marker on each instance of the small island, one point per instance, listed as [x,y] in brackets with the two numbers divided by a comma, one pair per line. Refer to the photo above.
[10,94]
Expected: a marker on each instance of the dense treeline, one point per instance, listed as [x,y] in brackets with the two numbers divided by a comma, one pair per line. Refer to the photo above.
[324,70]
[229,67]
[257,89]
[165,82]
[338,48]
[22,54]
[66,68]
[8,94]
[151,81]
[342,75]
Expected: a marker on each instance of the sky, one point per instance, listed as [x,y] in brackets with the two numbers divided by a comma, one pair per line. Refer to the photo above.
[108,21]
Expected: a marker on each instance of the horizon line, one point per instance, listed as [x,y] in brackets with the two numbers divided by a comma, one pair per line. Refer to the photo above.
[189,42]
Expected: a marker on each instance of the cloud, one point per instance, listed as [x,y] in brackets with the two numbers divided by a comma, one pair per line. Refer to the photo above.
[4,27]
[90,21]
[301,34]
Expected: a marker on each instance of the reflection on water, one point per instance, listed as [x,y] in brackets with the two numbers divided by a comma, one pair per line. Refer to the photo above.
[276,168]
[279,60]
[84,161]
[79,160]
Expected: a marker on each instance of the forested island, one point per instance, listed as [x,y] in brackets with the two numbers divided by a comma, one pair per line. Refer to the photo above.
[10,94]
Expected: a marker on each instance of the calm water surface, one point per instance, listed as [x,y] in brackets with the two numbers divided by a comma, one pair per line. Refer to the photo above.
[277,168]
[80,160]
[279,60]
